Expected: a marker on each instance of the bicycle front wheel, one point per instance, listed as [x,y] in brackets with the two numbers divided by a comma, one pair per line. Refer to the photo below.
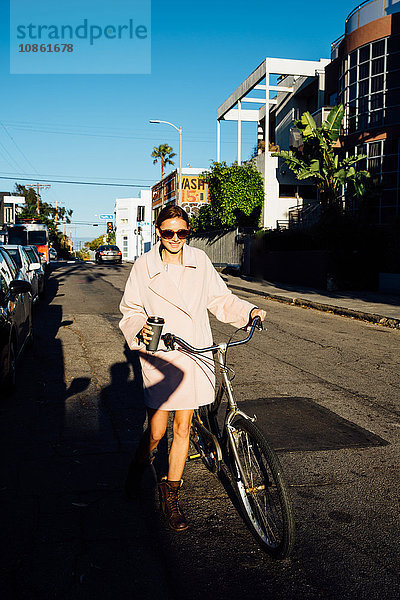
[258,481]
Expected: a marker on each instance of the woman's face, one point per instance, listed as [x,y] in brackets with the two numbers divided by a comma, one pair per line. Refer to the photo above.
[173,245]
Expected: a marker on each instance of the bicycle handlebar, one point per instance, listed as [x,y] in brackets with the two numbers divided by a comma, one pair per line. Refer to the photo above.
[170,339]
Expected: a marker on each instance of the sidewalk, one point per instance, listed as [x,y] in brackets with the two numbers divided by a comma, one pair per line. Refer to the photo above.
[373,307]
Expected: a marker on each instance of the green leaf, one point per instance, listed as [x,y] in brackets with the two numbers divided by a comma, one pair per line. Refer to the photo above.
[309,127]
[333,122]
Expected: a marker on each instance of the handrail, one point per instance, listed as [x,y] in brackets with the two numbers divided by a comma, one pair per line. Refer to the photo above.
[336,42]
[353,12]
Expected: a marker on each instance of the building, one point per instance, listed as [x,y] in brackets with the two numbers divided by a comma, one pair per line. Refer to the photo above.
[194,191]
[278,91]
[9,208]
[133,225]
[364,75]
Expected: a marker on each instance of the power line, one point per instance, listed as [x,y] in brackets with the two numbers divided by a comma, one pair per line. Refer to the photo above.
[105,179]
[136,185]
[17,147]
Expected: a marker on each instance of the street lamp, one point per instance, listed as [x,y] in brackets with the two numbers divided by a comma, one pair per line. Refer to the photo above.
[179,129]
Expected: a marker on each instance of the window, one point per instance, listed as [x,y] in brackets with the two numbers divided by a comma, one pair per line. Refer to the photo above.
[378,66]
[364,70]
[37,237]
[125,246]
[363,104]
[378,48]
[287,191]
[364,54]
[363,88]
[367,96]
[375,159]
[15,255]
[8,214]
[124,221]
[353,76]
[140,213]
[6,274]
[377,83]
[377,101]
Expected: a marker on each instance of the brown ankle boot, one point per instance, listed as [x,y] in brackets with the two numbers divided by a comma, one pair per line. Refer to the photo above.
[169,500]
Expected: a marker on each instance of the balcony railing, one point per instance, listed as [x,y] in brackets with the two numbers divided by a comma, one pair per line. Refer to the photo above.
[369,11]
[335,47]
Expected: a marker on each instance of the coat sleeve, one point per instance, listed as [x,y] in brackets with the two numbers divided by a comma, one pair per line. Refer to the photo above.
[132,309]
[224,305]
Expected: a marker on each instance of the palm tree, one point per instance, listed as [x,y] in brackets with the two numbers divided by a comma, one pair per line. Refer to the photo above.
[163,154]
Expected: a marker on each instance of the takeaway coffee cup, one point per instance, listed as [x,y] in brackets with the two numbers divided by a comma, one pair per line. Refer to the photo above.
[156,323]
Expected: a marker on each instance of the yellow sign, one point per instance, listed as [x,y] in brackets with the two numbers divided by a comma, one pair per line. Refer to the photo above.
[194,189]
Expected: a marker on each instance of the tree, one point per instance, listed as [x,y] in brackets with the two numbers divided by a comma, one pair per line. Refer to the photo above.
[236,195]
[317,159]
[94,244]
[163,153]
[47,214]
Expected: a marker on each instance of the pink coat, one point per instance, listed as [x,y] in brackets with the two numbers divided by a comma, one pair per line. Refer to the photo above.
[174,380]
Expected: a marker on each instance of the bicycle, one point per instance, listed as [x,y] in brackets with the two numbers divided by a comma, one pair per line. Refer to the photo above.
[239,444]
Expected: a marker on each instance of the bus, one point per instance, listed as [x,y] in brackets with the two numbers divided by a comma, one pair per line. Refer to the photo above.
[30,233]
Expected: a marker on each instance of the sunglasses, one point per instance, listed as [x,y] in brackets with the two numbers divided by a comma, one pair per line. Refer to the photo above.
[168,234]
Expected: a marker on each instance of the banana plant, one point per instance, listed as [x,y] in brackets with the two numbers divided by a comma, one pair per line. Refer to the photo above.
[319,160]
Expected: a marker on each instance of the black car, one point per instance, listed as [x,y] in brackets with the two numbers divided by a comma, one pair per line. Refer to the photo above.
[15,319]
[108,254]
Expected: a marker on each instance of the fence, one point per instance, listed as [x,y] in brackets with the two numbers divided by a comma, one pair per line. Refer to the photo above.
[223,248]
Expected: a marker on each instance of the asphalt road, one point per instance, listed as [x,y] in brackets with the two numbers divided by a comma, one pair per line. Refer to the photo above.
[325,390]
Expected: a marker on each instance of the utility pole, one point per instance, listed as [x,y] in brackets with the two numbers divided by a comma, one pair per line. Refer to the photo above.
[39,186]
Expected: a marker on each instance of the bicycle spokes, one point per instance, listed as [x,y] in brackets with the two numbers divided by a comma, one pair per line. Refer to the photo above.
[256,471]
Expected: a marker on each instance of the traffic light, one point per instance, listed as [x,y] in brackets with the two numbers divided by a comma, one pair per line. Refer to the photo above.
[109,226]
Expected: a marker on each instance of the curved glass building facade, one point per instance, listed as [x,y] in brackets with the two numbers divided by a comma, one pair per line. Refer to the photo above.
[364,75]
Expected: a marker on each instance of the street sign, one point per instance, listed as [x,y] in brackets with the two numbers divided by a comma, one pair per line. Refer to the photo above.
[106,217]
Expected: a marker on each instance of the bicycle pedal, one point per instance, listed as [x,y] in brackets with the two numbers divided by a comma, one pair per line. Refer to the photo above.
[194,456]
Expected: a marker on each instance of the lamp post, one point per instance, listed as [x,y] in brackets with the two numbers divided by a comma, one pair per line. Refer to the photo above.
[179,129]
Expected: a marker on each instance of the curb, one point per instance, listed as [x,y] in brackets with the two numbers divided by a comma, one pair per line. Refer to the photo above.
[337,310]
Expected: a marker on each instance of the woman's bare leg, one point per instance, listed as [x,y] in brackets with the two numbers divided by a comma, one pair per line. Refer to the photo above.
[180,444]
[156,428]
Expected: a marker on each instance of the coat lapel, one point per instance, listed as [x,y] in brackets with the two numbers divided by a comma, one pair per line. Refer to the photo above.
[161,284]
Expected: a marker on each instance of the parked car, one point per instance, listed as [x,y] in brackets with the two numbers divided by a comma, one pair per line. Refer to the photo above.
[108,253]
[16,329]
[34,259]
[53,254]
[27,269]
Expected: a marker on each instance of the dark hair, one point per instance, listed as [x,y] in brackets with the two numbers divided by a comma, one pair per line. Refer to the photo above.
[172,212]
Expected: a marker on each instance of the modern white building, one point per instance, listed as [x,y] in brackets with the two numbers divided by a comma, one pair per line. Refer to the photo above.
[275,94]
[133,225]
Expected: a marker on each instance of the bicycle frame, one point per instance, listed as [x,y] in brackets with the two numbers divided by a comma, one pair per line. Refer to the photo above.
[232,410]
[225,385]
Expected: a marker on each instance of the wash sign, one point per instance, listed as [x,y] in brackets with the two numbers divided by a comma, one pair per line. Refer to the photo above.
[106,217]
[194,189]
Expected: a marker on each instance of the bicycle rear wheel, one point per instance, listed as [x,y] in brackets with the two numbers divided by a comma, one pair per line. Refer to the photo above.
[258,481]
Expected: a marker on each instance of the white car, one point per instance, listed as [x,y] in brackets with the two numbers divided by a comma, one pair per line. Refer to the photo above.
[28,270]
[52,254]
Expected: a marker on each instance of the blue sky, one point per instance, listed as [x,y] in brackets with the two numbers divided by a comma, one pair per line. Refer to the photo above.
[96,127]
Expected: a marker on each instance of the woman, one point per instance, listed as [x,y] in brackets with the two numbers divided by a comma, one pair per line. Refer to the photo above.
[179,283]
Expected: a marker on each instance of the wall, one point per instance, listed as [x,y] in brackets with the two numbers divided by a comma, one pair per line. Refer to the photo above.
[221,247]
[127,225]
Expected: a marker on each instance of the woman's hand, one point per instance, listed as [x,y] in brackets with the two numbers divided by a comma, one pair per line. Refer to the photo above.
[257,312]
[147,333]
